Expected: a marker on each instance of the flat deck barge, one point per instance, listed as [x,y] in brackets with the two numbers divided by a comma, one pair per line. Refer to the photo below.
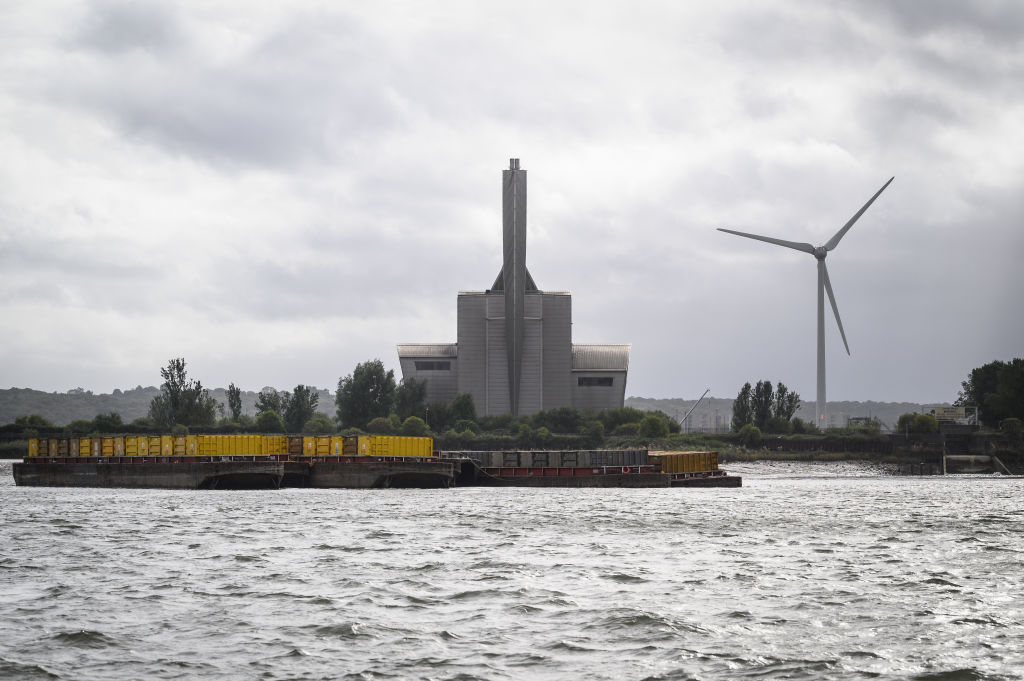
[350,462]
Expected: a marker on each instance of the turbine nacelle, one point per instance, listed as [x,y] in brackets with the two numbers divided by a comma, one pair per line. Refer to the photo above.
[820,252]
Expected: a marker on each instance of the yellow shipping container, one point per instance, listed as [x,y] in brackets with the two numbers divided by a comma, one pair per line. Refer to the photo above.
[85,446]
[73,447]
[393,445]
[33,446]
[186,445]
[308,446]
[323,446]
[209,445]
[337,445]
[685,462]
[112,446]
[275,444]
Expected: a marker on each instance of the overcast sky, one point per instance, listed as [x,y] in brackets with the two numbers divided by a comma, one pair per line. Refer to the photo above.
[278,191]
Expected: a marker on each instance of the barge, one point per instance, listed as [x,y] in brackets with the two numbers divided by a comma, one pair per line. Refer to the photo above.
[351,462]
[592,468]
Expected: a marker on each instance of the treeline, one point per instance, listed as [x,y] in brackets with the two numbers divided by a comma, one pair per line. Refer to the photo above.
[367,401]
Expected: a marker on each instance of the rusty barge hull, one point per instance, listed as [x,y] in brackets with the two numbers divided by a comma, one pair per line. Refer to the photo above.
[471,474]
[353,473]
[236,473]
[154,475]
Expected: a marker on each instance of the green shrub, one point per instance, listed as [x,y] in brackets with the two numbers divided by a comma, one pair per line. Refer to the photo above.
[269,422]
[626,429]
[652,426]
[414,426]
[320,424]
[750,436]
[379,426]
[463,425]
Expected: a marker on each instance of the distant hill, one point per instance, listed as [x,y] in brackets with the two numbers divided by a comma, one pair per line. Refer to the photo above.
[718,411]
[62,408]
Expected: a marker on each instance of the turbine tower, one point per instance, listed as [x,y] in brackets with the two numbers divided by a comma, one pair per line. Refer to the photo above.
[824,286]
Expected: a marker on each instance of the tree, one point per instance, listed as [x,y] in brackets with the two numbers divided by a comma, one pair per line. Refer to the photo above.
[438,416]
[34,421]
[410,398]
[672,425]
[997,389]
[235,401]
[269,422]
[462,408]
[761,403]
[414,426]
[612,418]
[801,427]
[271,400]
[652,426]
[593,433]
[319,424]
[181,399]
[750,435]
[368,392]
[108,423]
[777,426]
[742,408]
[786,403]
[380,426]
[300,407]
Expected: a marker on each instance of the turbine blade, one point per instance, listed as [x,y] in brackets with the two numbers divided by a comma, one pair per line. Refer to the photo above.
[806,248]
[834,241]
[835,308]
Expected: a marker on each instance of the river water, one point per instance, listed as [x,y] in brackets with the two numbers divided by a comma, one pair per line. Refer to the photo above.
[809,571]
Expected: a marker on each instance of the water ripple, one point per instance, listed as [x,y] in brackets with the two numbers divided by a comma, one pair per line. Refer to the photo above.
[807,572]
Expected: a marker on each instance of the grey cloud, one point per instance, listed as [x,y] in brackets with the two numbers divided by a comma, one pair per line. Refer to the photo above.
[801,37]
[910,120]
[1001,20]
[116,26]
[308,92]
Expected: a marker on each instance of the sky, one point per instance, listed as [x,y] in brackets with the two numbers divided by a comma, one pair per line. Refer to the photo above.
[279,191]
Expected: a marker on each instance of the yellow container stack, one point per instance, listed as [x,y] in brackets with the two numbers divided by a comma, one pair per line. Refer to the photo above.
[241,445]
[685,462]
[393,445]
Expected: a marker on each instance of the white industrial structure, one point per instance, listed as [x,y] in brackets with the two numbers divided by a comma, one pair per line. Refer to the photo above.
[514,352]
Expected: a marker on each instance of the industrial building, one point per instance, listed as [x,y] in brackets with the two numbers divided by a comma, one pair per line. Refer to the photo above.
[514,352]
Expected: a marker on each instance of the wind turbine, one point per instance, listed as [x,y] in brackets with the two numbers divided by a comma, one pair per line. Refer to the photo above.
[819,254]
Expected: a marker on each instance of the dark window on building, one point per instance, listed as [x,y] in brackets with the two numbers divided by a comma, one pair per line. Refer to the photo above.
[601,381]
[426,365]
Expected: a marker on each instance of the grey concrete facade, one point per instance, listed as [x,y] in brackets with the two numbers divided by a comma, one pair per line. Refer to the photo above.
[514,352]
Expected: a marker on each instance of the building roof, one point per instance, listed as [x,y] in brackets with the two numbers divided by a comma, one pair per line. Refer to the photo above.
[600,357]
[428,350]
